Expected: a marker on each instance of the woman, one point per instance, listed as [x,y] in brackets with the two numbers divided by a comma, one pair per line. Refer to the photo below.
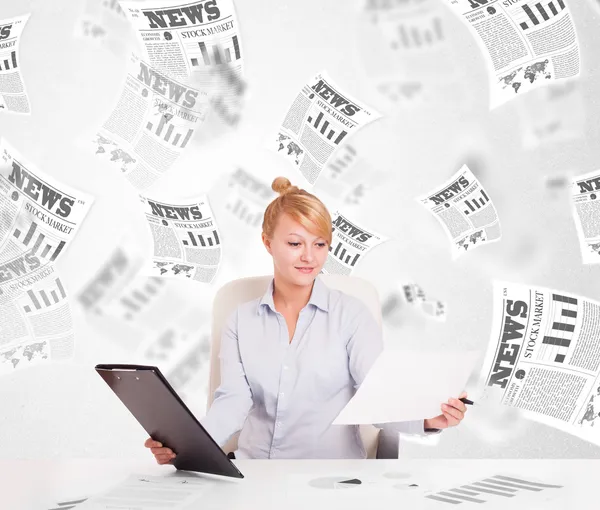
[291,360]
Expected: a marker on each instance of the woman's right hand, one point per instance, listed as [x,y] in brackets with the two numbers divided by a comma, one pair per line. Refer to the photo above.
[162,454]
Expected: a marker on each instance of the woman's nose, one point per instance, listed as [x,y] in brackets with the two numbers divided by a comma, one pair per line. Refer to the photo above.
[307,254]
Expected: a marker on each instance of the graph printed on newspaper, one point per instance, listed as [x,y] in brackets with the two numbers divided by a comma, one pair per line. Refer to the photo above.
[349,244]
[585,197]
[528,43]
[151,125]
[465,211]
[188,39]
[320,119]
[13,94]
[415,35]
[247,198]
[187,243]
[543,357]
[39,218]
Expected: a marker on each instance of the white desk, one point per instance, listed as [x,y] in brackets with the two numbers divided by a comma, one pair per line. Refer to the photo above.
[284,484]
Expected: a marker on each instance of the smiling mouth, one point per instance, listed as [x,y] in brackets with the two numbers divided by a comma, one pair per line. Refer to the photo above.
[305,269]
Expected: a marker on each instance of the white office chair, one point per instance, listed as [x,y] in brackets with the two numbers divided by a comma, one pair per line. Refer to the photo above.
[240,291]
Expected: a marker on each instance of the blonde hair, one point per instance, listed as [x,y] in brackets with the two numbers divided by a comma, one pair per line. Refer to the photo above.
[301,205]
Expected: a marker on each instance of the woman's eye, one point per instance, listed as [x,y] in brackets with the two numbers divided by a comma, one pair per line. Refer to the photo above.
[294,244]
[321,245]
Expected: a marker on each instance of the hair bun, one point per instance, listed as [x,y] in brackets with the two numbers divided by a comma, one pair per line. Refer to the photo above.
[282,185]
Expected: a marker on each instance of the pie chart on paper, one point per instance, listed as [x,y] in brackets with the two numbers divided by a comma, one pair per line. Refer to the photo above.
[335,482]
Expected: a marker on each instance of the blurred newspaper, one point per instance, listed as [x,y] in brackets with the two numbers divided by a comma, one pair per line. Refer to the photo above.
[37,324]
[552,115]
[151,124]
[187,39]
[318,121]
[39,218]
[349,244]
[406,52]
[247,199]
[544,357]
[104,22]
[586,211]
[13,96]
[415,295]
[528,43]
[465,210]
[187,243]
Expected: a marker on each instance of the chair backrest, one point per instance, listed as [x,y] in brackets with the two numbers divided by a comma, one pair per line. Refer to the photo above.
[236,292]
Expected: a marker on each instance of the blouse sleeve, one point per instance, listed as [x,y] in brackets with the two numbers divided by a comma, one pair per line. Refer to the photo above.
[233,397]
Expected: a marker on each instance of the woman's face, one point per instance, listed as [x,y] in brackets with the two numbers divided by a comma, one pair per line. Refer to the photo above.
[298,255]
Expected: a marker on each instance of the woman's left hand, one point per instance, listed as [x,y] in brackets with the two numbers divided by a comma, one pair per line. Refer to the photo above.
[452,414]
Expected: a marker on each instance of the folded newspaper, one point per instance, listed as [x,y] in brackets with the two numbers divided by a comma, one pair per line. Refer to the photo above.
[187,38]
[320,119]
[527,43]
[13,95]
[187,243]
[543,357]
[465,211]
[350,242]
[151,125]
[586,211]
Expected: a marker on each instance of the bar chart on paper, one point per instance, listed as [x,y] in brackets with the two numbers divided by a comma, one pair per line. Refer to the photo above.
[136,299]
[341,253]
[417,34]
[202,241]
[498,485]
[323,127]
[529,16]
[226,52]
[50,250]
[170,134]
[245,210]
[8,62]
[474,203]
[38,300]
[559,334]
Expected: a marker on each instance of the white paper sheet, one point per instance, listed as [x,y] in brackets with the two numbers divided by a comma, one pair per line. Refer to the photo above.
[144,492]
[408,385]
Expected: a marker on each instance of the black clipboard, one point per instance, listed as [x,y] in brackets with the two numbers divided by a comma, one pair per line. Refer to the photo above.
[165,417]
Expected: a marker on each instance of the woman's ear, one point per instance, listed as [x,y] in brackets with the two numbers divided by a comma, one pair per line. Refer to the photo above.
[267,242]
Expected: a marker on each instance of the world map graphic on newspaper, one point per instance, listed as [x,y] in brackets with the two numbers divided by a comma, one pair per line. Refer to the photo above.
[19,354]
[533,72]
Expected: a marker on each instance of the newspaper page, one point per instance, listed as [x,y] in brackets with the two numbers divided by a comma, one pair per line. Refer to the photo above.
[585,193]
[318,121]
[349,244]
[528,43]
[187,243]
[544,357]
[37,324]
[189,38]
[139,491]
[13,95]
[39,218]
[151,124]
[247,199]
[553,115]
[465,211]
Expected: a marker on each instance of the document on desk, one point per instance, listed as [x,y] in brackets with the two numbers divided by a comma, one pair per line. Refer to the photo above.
[408,385]
[144,492]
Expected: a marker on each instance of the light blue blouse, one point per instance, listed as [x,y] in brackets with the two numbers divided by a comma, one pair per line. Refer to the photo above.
[284,396]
